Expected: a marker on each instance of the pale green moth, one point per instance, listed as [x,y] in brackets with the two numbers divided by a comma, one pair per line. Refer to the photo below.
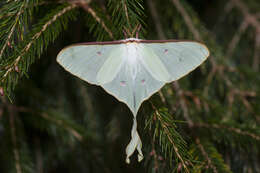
[132,70]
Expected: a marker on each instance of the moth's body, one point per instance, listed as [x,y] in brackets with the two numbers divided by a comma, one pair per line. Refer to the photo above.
[132,57]
[132,70]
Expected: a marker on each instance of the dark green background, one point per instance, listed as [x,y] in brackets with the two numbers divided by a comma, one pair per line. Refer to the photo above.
[51,121]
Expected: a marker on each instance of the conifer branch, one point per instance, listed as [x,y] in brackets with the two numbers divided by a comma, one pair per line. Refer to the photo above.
[172,142]
[231,129]
[88,9]
[166,128]
[176,84]
[162,36]
[12,30]
[93,13]
[34,5]
[126,16]
[34,38]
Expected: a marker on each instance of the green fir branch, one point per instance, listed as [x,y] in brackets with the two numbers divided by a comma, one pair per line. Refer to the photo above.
[236,134]
[98,25]
[172,144]
[7,40]
[126,16]
[208,158]
[33,45]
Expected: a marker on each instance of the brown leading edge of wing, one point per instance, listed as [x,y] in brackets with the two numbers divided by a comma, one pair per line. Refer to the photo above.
[172,40]
[130,40]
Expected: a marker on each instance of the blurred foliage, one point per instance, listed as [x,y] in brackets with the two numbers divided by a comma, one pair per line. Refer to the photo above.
[51,121]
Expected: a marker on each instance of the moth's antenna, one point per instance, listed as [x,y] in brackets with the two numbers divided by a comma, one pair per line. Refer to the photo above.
[125,34]
[137,31]
[134,30]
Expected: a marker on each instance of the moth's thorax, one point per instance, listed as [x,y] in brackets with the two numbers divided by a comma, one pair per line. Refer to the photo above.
[131,53]
[132,57]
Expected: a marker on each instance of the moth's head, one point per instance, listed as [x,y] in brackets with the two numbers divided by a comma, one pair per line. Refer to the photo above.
[131,40]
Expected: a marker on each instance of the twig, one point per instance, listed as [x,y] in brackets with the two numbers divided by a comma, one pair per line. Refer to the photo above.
[251,19]
[198,102]
[154,154]
[183,104]
[242,95]
[86,7]
[126,14]
[256,52]
[35,37]
[156,19]
[228,7]
[12,113]
[187,19]
[236,38]
[205,154]
[93,13]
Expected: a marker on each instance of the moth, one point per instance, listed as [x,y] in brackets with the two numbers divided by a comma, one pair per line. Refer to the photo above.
[132,70]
